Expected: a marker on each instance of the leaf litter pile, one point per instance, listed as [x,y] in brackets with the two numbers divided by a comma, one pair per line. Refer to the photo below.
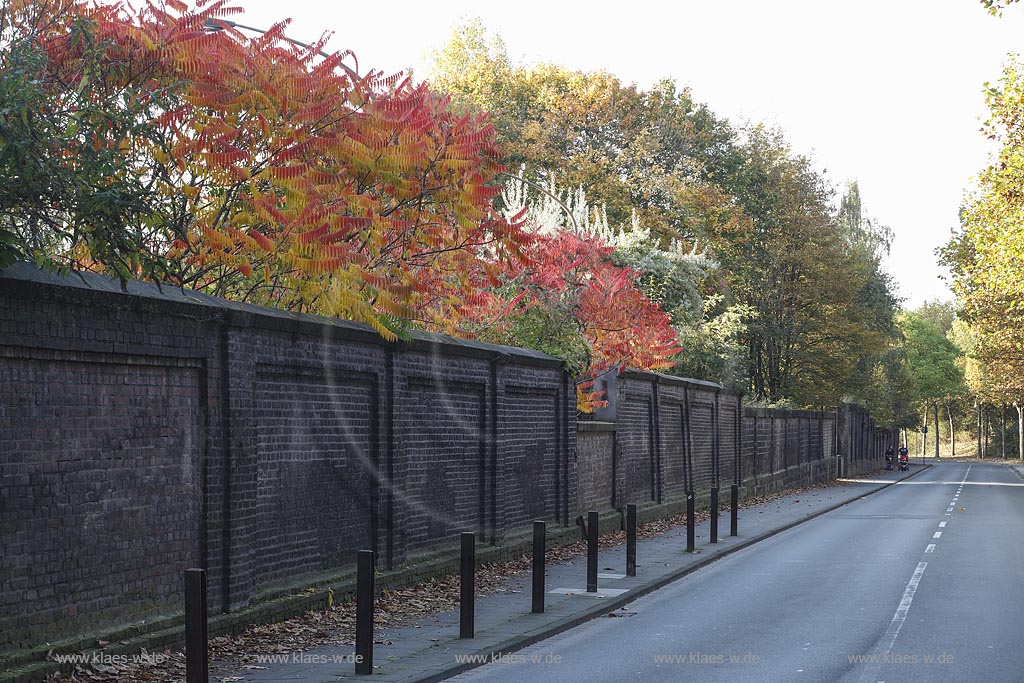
[393,608]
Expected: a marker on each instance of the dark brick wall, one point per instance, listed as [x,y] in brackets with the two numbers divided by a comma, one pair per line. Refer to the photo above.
[672,416]
[636,434]
[144,432]
[778,440]
[861,443]
[673,435]
[441,409]
[90,445]
[667,435]
[595,463]
[534,466]
[315,450]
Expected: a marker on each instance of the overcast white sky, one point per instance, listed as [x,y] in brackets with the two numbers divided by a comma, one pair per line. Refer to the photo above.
[886,92]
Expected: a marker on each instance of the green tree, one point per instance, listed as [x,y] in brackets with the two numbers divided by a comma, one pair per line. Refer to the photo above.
[941,314]
[70,193]
[655,155]
[821,303]
[866,243]
[933,363]
[891,399]
[986,254]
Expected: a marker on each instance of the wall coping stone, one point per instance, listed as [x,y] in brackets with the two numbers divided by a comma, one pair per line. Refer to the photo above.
[632,373]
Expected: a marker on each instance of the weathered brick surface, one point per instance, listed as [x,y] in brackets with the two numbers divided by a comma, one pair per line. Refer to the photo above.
[595,453]
[314,491]
[91,445]
[533,461]
[145,432]
[672,418]
[444,494]
[636,443]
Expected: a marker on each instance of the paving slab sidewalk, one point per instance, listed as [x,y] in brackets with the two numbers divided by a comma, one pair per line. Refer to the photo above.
[431,650]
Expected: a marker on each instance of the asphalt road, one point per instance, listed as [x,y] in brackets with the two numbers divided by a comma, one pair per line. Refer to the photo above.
[923,581]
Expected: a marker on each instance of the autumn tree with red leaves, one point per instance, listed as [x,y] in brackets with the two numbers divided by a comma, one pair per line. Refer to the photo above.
[569,299]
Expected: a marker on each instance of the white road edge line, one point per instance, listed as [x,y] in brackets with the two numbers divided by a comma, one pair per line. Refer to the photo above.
[901,612]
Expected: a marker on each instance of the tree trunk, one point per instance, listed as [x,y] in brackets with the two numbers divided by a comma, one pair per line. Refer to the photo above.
[936,430]
[1020,428]
[952,430]
[986,428]
[924,433]
[981,453]
[1002,433]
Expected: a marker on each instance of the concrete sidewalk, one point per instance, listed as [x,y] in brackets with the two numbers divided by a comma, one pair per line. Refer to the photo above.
[432,651]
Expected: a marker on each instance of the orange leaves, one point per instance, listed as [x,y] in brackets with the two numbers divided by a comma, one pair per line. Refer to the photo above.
[290,172]
[224,159]
[318,266]
[261,240]
[217,239]
[348,223]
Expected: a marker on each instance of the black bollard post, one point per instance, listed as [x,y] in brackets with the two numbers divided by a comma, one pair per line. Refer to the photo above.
[714,515]
[690,547]
[734,508]
[539,548]
[197,660]
[364,611]
[631,540]
[592,552]
[467,579]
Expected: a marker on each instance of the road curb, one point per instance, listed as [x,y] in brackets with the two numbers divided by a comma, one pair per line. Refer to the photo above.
[533,637]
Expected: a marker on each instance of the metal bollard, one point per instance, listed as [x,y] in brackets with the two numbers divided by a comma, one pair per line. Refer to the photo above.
[690,547]
[714,515]
[734,507]
[539,549]
[364,611]
[592,524]
[467,580]
[631,540]
[197,659]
